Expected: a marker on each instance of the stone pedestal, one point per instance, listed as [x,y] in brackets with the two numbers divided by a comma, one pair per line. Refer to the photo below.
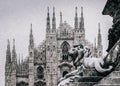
[89,72]
[89,78]
[113,79]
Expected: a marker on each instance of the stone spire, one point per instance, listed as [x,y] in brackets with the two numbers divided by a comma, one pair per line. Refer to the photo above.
[8,54]
[14,52]
[14,55]
[99,44]
[99,36]
[31,59]
[81,20]
[76,20]
[31,40]
[60,18]
[19,64]
[95,43]
[53,21]
[19,59]
[95,48]
[22,65]
[48,21]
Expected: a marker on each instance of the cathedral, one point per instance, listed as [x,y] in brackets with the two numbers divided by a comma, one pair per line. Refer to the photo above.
[49,61]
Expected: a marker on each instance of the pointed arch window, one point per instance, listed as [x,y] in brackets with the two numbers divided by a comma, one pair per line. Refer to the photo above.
[65,48]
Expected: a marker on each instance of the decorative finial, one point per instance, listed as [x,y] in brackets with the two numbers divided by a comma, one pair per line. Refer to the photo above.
[31,28]
[31,25]
[53,12]
[22,58]
[81,11]
[60,13]
[95,42]
[60,17]
[8,42]
[76,10]
[99,27]
[13,42]
[19,59]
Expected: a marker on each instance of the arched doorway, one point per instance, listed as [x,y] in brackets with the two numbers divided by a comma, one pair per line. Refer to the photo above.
[65,48]
[64,73]
[40,72]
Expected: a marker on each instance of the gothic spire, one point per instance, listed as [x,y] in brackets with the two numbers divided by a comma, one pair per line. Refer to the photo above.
[81,11]
[81,20]
[99,36]
[8,53]
[22,59]
[22,65]
[31,40]
[53,21]
[19,60]
[95,43]
[99,28]
[60,18]
[19,64]
[48,21]
[14,56]
[76,19]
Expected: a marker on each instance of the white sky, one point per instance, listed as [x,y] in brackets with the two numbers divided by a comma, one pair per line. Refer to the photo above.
[16,16]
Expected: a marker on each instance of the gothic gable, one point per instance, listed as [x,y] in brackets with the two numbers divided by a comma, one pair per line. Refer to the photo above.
[64,31]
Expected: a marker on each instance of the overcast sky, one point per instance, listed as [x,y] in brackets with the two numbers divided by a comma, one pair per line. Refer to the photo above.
[17,15]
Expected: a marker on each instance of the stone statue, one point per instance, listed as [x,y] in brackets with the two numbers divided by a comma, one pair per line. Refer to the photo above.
[83,59]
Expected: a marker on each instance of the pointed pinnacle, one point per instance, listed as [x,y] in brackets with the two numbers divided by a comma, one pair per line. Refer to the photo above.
[22,58]
[76,10]
[81,11]
[13,43]
[99,27]
[53,12]
[48,13]
[19,59]
[60,17]
[8,44]
[95,43]
[31,28]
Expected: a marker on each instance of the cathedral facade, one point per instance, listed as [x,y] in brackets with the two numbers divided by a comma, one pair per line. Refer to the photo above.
[49,61]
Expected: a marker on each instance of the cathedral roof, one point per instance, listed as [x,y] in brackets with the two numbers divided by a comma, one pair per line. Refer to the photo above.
[65,31]
[65,25]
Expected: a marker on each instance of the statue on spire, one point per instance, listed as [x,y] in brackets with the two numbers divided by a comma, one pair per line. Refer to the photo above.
[31,40]
[76,20]
[60,18]
[14,56]
[48,21]
[81,20]
[8,54]
[53,21]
